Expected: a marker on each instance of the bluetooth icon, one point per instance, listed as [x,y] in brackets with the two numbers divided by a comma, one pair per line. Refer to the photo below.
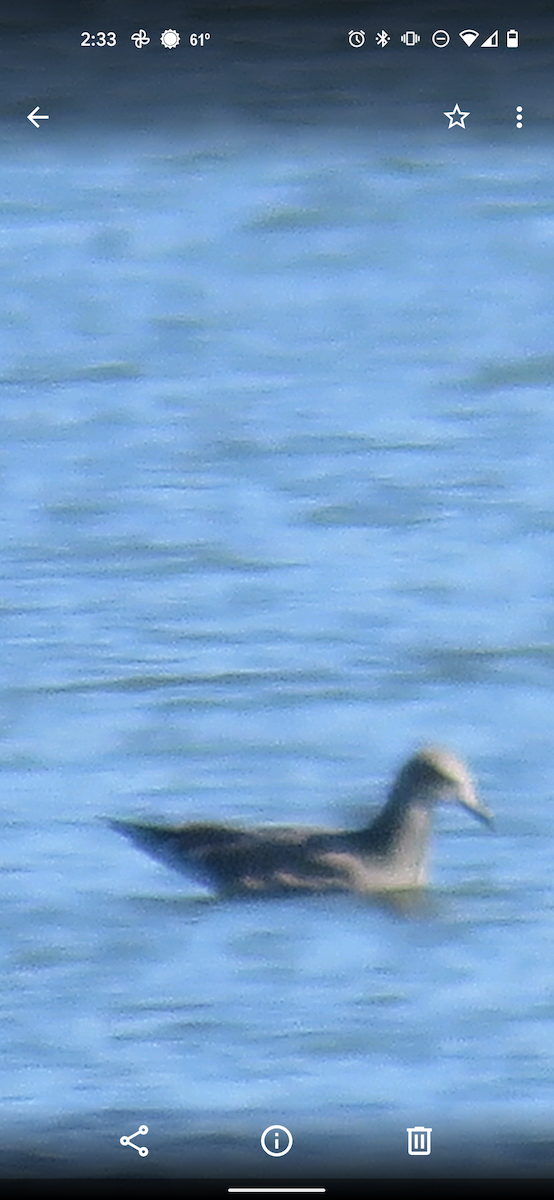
[382,38]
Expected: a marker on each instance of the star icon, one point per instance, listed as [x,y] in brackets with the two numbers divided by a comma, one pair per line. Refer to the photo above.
[460,117]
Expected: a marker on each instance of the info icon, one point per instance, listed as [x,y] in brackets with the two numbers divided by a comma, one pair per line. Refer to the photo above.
[419,1140]
[273,1141]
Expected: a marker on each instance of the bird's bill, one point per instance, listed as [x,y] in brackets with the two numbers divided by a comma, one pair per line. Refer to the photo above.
[469,799]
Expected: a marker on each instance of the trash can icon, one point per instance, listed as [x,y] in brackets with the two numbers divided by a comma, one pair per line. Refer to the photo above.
[419,1140]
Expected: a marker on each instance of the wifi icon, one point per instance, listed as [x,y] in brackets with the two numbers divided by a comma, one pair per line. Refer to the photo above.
[468,36]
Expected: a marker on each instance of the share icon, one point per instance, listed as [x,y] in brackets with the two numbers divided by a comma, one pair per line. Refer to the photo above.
[127,1141]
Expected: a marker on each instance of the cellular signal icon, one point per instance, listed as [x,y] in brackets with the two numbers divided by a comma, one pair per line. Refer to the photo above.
[468,36]
[490,41]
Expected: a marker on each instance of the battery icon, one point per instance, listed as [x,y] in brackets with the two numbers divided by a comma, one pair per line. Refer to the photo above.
[512,38]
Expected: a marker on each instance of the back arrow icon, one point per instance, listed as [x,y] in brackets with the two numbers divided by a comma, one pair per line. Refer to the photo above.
[33,117]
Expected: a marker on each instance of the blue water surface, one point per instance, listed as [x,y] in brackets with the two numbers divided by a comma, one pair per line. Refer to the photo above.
[276,433]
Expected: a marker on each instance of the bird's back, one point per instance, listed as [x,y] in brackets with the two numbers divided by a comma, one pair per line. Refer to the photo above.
[267,860]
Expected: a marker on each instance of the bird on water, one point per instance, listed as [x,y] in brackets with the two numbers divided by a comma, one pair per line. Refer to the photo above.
[389,854]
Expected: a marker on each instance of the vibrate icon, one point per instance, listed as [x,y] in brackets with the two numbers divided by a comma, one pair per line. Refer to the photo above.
[127,1140]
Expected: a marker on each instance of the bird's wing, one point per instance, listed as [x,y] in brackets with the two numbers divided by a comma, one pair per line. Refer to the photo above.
[271,859]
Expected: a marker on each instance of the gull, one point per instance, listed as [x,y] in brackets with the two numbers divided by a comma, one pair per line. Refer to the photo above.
[387,855]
